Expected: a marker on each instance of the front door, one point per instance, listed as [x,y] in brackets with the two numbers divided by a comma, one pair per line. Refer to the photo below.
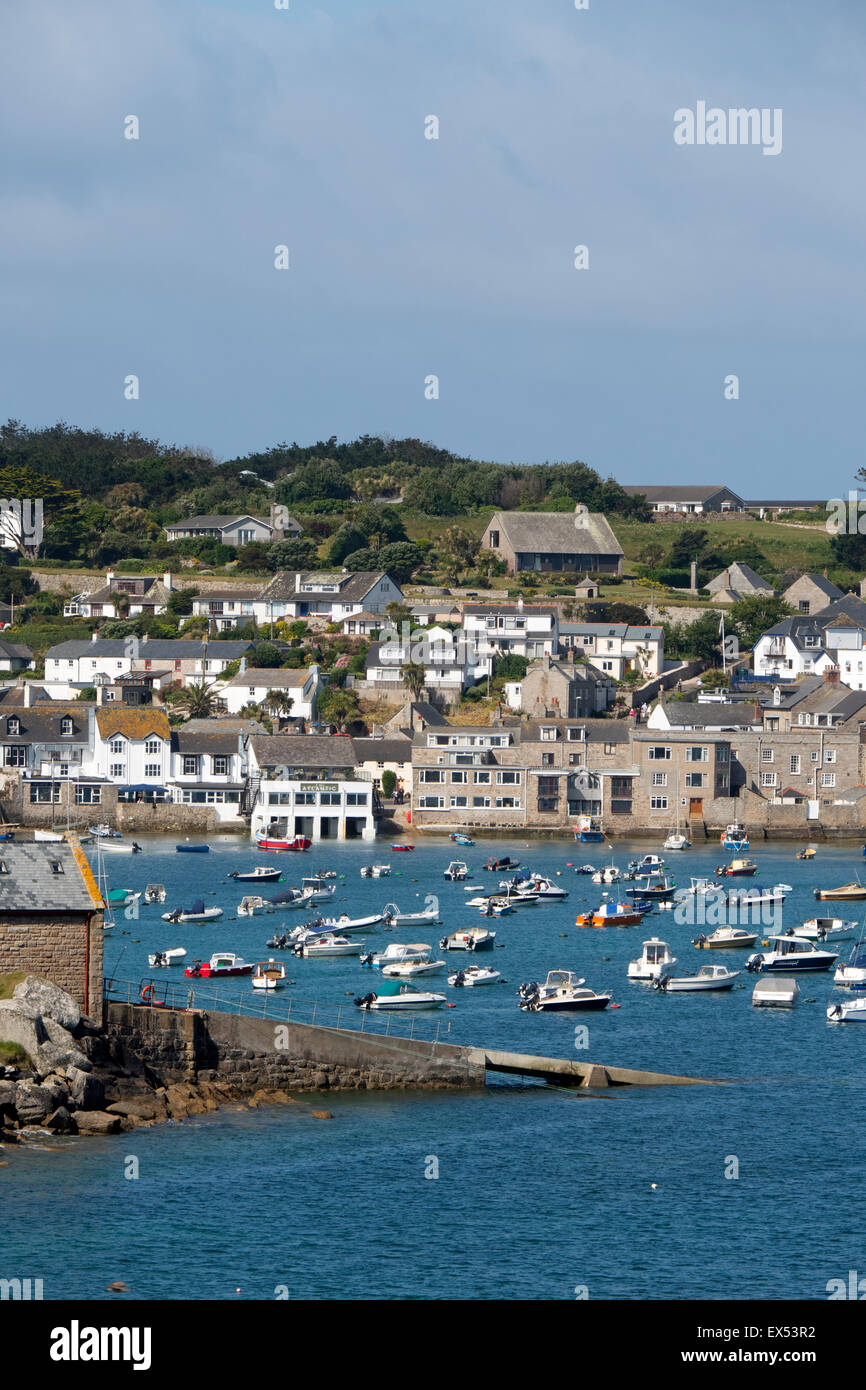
[696,806]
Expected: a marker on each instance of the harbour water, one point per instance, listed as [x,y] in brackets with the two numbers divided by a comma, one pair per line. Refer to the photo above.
[540,1192]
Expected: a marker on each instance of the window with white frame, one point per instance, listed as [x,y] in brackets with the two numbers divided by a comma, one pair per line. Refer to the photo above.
[828,779]
[480,802]
[116,770]
[152,770]
[431,774]
[117,745]
[658,803]
[152,747]
[694,779]
[432,803]
[507,779]
[548,732]
[814,756]
[458,802]
[458,777]
[768,755]
[794,763]
[721,752]
[660,779]
[696,753]
[508,803]
[829,755]
[768,779]
[482,779]
[659,753]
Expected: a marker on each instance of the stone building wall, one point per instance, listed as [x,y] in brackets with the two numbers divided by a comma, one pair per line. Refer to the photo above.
[65,948]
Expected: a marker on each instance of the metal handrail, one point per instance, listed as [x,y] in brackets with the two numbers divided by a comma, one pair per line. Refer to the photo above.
[192,998]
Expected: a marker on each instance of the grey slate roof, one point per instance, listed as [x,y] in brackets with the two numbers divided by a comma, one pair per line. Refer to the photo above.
[818,581]
[683,713]
[383,750]
[32,886]
[678,492]
[160,649]
[354,585]
[740,578]
[213,523]
[303,750]
[650,633]
[41,723]
[555,532]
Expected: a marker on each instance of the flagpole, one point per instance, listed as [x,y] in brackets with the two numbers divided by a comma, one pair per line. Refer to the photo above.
[724,654]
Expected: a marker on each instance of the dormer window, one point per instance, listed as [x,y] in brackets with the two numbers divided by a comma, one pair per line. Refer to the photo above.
[56,866]
[66,725]
[548,732]
[13,724]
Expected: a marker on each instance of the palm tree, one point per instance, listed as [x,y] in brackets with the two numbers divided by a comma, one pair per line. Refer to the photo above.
[198,700]
[278,702]
[337,706]
[413,675]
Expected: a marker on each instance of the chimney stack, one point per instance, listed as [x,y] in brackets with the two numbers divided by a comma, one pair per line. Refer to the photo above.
[831,675]
[28,694]
[166,579]
[94,636]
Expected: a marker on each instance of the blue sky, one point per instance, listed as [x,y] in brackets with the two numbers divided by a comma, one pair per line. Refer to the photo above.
[453,257]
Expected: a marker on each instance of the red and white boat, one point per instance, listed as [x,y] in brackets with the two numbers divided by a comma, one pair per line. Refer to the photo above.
[278,842]
[402,849]
[221,964]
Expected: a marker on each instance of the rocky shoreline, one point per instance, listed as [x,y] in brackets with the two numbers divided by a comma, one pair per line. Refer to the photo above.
[79,1080]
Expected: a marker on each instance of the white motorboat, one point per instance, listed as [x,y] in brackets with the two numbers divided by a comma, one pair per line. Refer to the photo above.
[269,974]
[654,960]
[726,938]
[700,887]
[847,1011]
[326,944]
[456,871]
[392,996]
[395,918]
[494,907]
[154,893]
[708,977]
[474,975]
[562,992]
[196,913]
[376,871]
[316,890]
[221,964]
[826,929]
[104,831]
[649,864]
[113,846]
[755,895]
[175,956]
[791,953]
[538,886]
[851,974]
[251,906]
[775,992]
[345,924]
[469,939]
[397,952]
[408,969]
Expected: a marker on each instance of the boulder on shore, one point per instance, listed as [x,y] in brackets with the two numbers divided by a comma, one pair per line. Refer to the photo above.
[41,999]
[96,1122]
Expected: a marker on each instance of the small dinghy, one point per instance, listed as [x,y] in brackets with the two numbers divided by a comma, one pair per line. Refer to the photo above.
[269,974]
[393,917]
[460,839]
[283,942]
[396,952]
[222,963]
[392,996]
[469,939]
[562,992]
[825,929]
[725,938]
[260,874]
[456,871]
[847,1011]
[474,975]
[175,956]
[806,853]
[154,893]
[408,969]
[655,959]
[197,913]
[790,953]
[773,992]
[192,849]
[251,906]
[326,944]
[709,977]
[492,907]
[402,849]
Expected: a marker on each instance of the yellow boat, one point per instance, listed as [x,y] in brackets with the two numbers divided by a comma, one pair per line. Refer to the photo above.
[806,854]
[849,892]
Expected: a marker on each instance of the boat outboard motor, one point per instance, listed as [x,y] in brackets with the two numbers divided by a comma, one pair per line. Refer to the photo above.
[366,960]
[755,962]
[364,1001]
[459,978]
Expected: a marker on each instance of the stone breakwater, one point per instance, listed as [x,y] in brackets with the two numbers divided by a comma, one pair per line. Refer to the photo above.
[148,1064]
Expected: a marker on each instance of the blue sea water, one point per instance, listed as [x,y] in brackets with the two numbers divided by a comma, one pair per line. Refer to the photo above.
[540,1191]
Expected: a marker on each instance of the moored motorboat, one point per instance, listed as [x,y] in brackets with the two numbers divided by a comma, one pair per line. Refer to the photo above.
[469,939]
[492,907]
[397,952]
[848,892]
[806,853]
[826,929]
[562,992]
[280,843]
[175,956]
[700,887]
[709,977]
[474,975]
[313,944]
[676,840]
[726,938]
[755,895]
[456,871]
[375,870]
[409,969]
[123,897]
[269,974]
[790,953]
[262,873]
[534,885]
[504,865]
[611,915]
[315,890]
[775,992]
[851,974]
[461,839]
[393,917]
[154,893]
[609,874]
[648,864]
[847,1011]
[402,849]
[196,913]
[192,849]
[221,963]
[655,959]
[588,830]
[113,846]
[734,837]
[346,924]
[251,906]
[738,868]
[656,887]
[392,996]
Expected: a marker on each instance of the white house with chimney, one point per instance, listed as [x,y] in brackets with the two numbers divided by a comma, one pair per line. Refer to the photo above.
[142,594]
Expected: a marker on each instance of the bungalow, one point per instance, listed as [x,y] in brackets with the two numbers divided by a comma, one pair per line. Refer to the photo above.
[687,499]
[329,597]
[554,542]
[237,530]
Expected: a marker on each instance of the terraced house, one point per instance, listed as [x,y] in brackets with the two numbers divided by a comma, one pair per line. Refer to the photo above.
[309,785]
